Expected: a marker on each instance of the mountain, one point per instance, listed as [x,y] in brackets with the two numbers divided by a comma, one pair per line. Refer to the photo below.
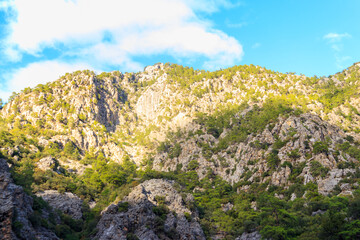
[243,153]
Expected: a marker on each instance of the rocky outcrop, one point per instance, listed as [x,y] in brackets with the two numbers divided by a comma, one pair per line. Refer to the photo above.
[73,166]
[16,210]
[326,185]
[249,236]
[129,115]
[298,137]
[49,163]
[153,210]
[67,202]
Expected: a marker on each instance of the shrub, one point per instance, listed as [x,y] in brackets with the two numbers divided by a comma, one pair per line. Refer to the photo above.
[320,147]
[294,154]
[175,151]
[273,159]
[70,150]
[131,236]
[317,169]
[193,165]
[62,230]
[160,211]
[187,216]
[123,206]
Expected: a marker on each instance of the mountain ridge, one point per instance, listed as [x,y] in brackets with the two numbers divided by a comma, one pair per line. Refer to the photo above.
[241,131]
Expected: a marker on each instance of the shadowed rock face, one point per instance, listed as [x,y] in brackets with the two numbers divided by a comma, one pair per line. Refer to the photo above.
[67,203]
[142,219]
[15,210]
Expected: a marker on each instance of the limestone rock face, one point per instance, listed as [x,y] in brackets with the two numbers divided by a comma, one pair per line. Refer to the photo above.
[16,209]
[67,202]
[49,163]
[335,176]
[148,104]
[249,236]
[141,219]
[74,166]
[298,135]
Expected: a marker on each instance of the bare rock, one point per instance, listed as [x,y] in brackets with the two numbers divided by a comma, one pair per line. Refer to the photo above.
[67,202]
[49,163]
[326,185]
[227,207]
[16,209]
[249,236]
[73,166]
[139,217]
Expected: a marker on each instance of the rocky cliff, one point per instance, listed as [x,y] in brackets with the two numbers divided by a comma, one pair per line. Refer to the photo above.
[17,217]
[221,140]
[290,143]
[153,210]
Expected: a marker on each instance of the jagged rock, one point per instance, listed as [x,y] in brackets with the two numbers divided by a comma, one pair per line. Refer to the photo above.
[49,163]
[299,134]
[249,236]
[140,219]
[73,166]
[16,209]
[318,212]
[227,207]
[67,202]
[280,177]
[326,185]
[153,69]
[149,103]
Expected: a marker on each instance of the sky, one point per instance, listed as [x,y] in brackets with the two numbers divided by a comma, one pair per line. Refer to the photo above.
[41,40]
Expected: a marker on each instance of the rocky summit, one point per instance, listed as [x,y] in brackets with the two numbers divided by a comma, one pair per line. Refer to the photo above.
[177,153]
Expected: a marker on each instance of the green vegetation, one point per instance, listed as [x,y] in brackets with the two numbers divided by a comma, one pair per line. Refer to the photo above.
[267,97]
[352,150]
[317,169]
[275,218]
[320,147]
[240,127]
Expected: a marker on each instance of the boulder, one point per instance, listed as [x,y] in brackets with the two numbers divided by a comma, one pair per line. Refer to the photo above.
[67,202]
[138,215]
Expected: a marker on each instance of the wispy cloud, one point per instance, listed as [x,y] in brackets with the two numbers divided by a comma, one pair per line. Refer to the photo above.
[211,6]
[100,33]
[335,41]
[235,25]
[336,37]
[256,45]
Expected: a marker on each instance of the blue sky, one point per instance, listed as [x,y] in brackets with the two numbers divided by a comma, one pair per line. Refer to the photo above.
[41,40]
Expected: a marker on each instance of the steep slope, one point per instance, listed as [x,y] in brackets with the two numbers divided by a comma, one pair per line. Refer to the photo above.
[248,143]
[18,220]
[153,210]
[102,112]
[296,149]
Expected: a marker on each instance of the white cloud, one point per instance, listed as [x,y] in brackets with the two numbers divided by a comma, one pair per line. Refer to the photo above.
[36,73]
[335,40]
[133,28]
[336,36]
[137,27]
